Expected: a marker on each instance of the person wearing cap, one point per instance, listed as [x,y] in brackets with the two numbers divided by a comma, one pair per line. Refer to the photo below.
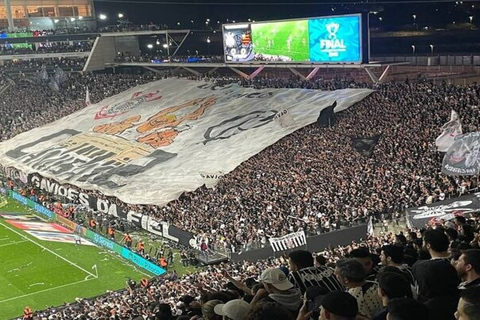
[338,305]
[235,309]
[279,289]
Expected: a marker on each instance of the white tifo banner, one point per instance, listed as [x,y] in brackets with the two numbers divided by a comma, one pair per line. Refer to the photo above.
[289,241]
[149,144]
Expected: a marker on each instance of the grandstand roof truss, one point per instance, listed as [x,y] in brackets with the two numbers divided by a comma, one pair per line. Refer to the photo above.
[371,69]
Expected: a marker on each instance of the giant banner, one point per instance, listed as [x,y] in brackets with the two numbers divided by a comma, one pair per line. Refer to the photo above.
[443,210]
[69,194]
[151,143]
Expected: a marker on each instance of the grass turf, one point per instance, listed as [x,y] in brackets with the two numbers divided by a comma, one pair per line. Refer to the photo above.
[40,274]
[287,38]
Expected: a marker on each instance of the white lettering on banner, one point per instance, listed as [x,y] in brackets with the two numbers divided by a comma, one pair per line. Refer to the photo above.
[134,217]
[15,174]
[179,142]
[102,205]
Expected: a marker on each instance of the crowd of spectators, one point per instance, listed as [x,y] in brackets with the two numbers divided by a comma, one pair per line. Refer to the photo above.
[121,27]
[311,180]
[49,47]
[423,274]
[159,58]
[23,112]
[34,65]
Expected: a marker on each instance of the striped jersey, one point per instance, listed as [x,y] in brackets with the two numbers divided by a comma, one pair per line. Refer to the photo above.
[315,276]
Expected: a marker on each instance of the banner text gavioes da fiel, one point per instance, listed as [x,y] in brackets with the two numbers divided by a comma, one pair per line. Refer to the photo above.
[149,144]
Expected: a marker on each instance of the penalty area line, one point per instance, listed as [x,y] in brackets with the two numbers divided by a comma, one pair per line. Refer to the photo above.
[52,252]
[45,290]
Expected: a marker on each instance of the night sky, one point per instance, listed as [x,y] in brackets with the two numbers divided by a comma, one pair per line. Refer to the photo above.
[390,15]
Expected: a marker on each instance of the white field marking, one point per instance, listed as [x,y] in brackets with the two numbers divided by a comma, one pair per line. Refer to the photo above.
[36,284]
[12,243]
[44,290]
[46,249]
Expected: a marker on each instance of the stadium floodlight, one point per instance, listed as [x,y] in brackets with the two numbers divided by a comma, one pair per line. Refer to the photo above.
[102,16]
[120,15]
[149,46]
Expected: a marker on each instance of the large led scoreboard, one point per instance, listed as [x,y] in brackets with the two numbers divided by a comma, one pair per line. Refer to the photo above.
[329,39]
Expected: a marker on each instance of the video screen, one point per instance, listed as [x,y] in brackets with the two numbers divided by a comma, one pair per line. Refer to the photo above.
[333,39]
[237,43]
[281,41]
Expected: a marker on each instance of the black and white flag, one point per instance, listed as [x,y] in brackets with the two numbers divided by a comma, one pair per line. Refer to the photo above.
[450,130]
[365,146]
[289,241]
[463,156]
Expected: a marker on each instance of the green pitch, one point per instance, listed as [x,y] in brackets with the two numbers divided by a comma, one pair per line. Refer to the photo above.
[287,38]
[40,274]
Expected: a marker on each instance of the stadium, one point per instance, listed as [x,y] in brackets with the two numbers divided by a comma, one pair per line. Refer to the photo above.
[283,168]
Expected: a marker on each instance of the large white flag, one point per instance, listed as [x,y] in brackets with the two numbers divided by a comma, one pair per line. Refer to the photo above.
[153,142]
[451,129]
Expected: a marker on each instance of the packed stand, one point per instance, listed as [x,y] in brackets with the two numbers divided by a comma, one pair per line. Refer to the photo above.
[50,47]
[313,180]
[158,58]
[43,105]
[424,274]
[33,65]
